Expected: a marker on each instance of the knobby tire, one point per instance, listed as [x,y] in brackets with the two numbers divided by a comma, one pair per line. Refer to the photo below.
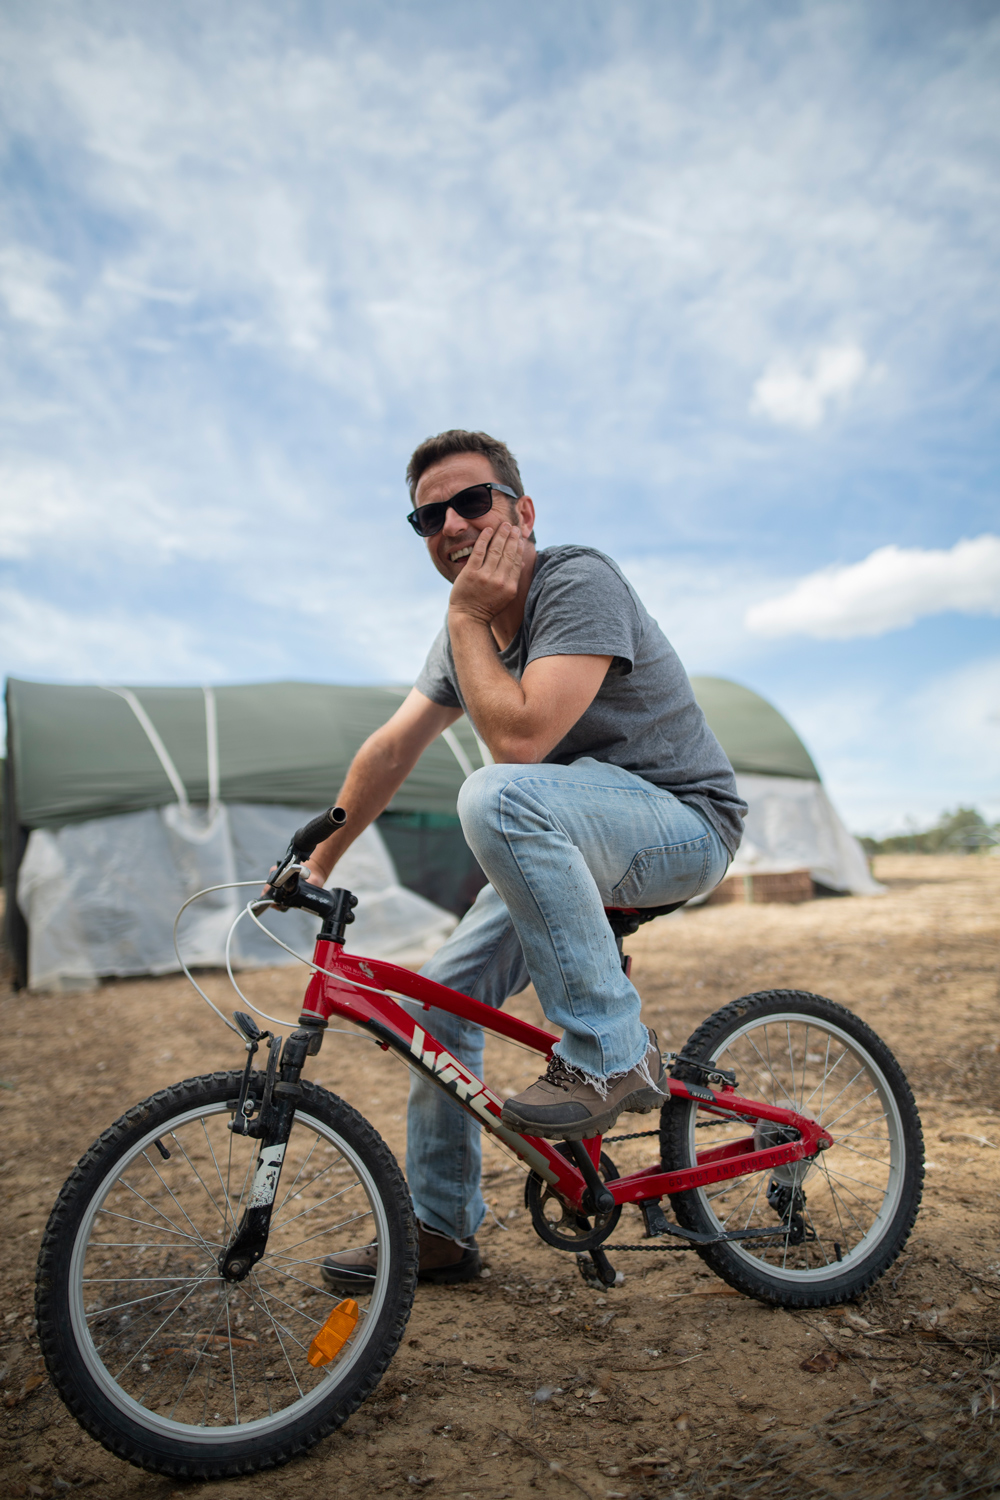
[170,1367]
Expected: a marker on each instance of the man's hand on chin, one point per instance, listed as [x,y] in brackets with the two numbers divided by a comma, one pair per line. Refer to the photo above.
[489,580]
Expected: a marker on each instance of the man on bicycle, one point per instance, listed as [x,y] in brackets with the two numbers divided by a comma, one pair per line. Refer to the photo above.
[607,789]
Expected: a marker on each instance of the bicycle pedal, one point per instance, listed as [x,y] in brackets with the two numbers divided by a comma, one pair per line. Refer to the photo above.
[597,1270]
[655,1219]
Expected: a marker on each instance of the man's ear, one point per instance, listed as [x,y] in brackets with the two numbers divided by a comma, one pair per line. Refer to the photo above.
[525,511]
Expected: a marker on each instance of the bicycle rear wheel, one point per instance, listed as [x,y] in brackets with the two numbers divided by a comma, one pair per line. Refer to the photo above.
[162,1361]
[848,1213]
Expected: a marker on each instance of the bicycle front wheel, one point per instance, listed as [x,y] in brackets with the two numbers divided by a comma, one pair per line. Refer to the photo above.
[160,1359]
[847,1214]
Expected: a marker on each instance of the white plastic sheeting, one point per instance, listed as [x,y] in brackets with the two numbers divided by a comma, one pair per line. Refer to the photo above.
[100,897]
[793,825]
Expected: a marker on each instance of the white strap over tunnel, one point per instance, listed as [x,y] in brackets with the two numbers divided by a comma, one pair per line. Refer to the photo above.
[162,753]
[212,750]
[452,740]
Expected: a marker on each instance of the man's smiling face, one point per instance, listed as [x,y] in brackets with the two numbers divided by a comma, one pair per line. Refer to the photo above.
[450,549]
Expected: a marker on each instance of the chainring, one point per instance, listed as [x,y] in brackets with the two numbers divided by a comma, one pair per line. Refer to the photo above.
[572,1230]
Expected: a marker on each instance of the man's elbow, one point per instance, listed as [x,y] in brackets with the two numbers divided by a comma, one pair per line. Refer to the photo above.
[518,750]
[388,753]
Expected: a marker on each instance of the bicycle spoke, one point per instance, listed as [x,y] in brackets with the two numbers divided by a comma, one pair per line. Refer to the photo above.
[157,1330]
[297,1312]
[232,1364]
[871,1094]
[818,1240]
[865,1155]
[183,1150]
[842,1199]
[826,1075]
[310,1285]
[114,1280]
[204,1406]
[766,1061]
[753,1206]
[315,1207]
[292,1260]
[167,1189]
[279,1329]
[846,1177]
[290,1188]
[102,1312]
[791,1057]
[330,1229]
[195,1369]
[218,1173]
[112,1213]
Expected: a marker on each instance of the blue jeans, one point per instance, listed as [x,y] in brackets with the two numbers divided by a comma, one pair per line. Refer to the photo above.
[558,844]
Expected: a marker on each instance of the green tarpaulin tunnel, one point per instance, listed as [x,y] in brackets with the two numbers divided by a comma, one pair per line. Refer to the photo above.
[78,753]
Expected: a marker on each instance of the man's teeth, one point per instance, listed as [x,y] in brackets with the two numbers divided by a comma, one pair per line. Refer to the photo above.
[462,552]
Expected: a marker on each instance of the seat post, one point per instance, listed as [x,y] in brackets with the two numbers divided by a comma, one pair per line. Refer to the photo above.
[623,922]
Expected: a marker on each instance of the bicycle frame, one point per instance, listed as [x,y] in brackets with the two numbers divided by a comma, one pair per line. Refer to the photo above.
[357,990]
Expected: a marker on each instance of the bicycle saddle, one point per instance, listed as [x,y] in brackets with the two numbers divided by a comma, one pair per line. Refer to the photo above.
[624,920]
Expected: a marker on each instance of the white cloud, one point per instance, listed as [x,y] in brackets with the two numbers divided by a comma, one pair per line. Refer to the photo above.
[891,588]
[26,290]
[889,758]
[957,715]
[699,606]
[48,510]
[269,263]
[101,646]
[791,396]
[337,206]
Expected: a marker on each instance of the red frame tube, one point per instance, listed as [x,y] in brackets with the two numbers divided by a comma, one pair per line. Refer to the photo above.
[355,989]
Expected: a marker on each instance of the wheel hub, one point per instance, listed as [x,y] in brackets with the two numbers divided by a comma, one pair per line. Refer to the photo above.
[768,1134]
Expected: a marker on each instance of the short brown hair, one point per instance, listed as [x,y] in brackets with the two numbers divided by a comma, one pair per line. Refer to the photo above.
[456,440]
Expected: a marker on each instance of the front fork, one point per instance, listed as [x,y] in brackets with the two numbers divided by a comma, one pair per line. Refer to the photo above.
[273,1126]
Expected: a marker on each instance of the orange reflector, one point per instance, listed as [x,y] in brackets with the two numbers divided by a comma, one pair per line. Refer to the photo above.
[335,1332]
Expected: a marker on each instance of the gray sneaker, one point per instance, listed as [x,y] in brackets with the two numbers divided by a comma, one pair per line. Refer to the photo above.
[563,1106]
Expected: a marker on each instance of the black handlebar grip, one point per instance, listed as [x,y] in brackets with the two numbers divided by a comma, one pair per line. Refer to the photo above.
[318,829]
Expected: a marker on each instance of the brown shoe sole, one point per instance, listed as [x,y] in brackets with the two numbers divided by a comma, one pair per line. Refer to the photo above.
[639,1102]
[466,1268]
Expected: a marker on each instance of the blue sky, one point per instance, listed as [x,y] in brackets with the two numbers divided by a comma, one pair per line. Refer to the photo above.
[723,275]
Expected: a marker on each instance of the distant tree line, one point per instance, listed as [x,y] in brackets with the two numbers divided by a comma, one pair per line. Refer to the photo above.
[959,832]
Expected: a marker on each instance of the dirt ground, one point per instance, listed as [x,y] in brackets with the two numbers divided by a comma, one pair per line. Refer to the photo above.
[529,1382]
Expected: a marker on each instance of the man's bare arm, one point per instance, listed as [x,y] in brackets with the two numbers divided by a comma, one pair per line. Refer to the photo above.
[378,770]
[520,721]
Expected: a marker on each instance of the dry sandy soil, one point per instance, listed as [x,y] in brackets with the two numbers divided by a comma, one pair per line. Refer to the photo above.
[668,1385]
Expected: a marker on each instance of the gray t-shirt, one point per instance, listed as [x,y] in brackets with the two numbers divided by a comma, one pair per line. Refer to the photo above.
[644,717]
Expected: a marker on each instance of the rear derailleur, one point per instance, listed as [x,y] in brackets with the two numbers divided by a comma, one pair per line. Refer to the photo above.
[788,1203]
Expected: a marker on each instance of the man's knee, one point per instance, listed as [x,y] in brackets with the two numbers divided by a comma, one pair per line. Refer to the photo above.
[479,800]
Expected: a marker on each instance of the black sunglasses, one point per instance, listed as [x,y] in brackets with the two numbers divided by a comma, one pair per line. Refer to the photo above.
[470,504]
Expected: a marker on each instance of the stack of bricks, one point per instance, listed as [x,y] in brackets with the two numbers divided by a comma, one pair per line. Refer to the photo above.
[792,886]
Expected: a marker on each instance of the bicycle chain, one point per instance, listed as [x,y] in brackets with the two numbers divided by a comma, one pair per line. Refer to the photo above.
[643,1134]
[761,1244]
[640,1135]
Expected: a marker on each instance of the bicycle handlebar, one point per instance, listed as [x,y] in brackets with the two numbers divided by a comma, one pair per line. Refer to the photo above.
[315,831]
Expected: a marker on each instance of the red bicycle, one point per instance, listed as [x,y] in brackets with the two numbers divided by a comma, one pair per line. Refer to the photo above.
[180,1301]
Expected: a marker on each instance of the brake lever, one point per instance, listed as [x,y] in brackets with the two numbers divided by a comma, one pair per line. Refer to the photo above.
[285,874]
